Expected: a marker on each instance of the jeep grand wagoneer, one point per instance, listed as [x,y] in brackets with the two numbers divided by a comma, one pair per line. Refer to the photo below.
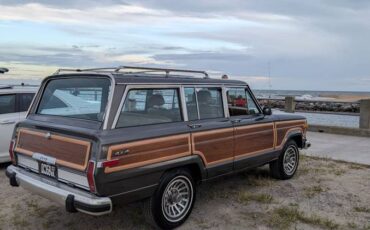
[100,135]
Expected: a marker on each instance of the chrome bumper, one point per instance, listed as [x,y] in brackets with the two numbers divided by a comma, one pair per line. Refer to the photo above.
[73,199]
[307,144]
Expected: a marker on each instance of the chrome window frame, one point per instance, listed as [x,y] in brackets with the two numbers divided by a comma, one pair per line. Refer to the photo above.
[223,93]
[148,86]
[196,101]
[181,88]
[251,94]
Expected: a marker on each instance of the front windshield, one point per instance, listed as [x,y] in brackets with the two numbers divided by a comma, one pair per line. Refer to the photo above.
[82,98]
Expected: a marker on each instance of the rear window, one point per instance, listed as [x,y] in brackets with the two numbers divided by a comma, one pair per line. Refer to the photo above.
[7,104]
[82,98]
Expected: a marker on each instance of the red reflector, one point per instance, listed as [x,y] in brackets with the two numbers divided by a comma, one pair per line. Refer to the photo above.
[110,163]
[90,175]
[11,151]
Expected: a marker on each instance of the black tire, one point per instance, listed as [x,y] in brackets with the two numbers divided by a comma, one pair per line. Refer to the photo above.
[154,207]
[277,169]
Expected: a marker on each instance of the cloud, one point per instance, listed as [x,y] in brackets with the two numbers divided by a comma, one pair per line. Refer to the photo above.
[134,59]
[43,13]
[310,44]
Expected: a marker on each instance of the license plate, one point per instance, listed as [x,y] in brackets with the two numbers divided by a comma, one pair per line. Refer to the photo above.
[48,170]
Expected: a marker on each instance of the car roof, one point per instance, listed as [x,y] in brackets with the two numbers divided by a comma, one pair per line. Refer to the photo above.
[6,89]
[140,78]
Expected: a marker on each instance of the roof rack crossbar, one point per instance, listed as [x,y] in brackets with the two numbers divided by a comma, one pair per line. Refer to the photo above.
[167,71]
[84,70]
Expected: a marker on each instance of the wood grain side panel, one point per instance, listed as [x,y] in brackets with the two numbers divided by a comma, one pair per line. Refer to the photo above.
[285,127]
[214,146]
[149,151]
[69,152]
[253,139]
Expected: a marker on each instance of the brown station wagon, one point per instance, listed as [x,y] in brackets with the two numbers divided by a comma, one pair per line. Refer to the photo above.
[97,136]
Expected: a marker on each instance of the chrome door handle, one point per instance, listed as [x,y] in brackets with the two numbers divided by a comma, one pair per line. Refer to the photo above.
[6,122]
[236,121]
[194,126]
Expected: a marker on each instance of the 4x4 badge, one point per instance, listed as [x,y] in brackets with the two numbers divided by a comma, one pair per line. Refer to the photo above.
[121,152]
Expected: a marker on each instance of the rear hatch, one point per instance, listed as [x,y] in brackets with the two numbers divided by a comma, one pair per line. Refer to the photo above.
[59,157]
[59,136]
[68,152]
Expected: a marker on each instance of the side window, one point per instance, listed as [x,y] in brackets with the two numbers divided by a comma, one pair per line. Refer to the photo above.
[240,102]
[191,104]
[150,106]
[7,104]
[25,101]
[210,103]
[251,105]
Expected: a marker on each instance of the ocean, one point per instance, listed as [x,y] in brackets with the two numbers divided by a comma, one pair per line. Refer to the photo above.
[349,121]
[307,94]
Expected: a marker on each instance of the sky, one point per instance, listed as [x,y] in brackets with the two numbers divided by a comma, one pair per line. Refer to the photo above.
[285,44]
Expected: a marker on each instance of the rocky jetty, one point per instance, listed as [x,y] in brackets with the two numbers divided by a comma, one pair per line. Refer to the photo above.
[315,106]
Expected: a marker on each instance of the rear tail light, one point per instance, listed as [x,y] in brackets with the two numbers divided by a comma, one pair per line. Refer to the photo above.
[90,176]
[11,151]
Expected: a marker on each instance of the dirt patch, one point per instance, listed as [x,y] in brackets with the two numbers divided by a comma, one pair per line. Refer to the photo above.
[324,194]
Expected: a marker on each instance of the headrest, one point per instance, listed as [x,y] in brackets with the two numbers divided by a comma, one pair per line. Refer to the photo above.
[204,96]
[156,100]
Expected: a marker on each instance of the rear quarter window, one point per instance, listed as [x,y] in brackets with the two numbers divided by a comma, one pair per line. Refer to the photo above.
[150,106]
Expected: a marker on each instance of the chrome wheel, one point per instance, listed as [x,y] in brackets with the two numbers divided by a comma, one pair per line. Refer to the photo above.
[290,160]
[177,199]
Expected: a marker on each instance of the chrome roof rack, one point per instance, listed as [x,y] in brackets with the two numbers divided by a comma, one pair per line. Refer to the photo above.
[106,69]
[167,71]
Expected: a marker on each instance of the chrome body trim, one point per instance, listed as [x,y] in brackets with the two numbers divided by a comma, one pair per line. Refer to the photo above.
[144,86]
[183,104]
[56,191]
[110,101]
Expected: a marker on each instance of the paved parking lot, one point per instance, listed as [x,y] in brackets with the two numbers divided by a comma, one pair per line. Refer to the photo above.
[323,195]
[340,147]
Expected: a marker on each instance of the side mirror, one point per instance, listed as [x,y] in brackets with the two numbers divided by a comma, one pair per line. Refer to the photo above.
[267,111]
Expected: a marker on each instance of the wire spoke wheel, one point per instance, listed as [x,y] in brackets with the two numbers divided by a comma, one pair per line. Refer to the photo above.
[177,199]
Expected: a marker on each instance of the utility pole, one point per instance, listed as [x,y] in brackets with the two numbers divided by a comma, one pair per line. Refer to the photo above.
[269,77]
